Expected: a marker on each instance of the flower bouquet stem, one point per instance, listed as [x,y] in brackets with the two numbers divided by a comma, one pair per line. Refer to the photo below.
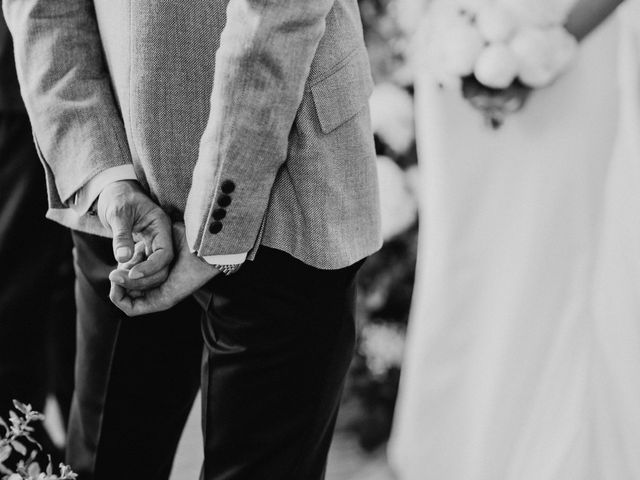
[495,104]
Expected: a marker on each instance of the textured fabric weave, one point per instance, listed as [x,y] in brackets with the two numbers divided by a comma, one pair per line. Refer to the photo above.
[112,82]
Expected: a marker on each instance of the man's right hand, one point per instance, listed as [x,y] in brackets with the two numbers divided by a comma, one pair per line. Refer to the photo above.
[131,216]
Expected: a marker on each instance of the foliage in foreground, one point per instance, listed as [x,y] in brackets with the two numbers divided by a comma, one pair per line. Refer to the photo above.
[15,444]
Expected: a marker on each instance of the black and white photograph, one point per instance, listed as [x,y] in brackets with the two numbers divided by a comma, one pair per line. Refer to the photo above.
[320,240]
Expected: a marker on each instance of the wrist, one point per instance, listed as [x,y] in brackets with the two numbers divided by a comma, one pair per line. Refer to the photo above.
[115,197]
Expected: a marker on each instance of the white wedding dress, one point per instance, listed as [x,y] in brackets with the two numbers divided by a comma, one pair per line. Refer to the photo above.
[523,355]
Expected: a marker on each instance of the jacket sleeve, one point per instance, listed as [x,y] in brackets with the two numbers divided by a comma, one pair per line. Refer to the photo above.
[263,62]
[67,91]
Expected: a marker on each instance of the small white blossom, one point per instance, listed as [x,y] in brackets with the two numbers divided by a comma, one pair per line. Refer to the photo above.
[408,14]
[459,49]
[414,180]
[496,23]
[450,41]
[497,66]
[471,6]
[498,41]
[392,116]
[383,347]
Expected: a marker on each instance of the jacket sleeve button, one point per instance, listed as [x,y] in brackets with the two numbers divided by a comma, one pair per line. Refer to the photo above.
[219,213]
[215,228]
[228,187]
[224,200]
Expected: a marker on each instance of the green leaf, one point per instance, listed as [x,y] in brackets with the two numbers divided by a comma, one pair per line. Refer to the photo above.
[66,473]
[36,416]
[19,447]
[34,470]
[5,452]
[14,418]
[21,407]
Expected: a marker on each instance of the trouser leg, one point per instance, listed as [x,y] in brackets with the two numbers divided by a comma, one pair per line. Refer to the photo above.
[136,378]
[279,337]
[61,328]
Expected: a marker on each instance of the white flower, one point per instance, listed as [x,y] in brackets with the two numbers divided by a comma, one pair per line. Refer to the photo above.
[455,51]
[407,14]
[497,66]
[414,180]
[399,208]
[383,347]
[542,13]
[471,6]
[448,42]
[495,23]
[392,116]
[462,46]
[543,54]
[446,12]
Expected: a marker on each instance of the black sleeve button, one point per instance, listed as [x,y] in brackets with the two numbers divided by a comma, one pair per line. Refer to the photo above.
[228,187]
[224,200]
[219,213]
[215,227]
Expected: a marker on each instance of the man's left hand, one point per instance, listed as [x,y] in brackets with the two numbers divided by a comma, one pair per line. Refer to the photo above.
[189,273]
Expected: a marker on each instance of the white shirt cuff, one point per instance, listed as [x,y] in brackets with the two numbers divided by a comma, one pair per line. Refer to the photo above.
[84,198]
[232,259]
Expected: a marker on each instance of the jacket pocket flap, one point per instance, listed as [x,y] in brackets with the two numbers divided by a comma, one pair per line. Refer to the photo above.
[341,95]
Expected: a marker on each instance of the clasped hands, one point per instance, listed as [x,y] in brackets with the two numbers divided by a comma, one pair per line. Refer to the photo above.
[156,268]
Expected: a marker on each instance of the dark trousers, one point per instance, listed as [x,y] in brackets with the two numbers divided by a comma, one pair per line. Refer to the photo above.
[278,339]
[37,317]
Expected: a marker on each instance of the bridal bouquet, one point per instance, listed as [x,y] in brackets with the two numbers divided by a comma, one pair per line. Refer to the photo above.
[496,51]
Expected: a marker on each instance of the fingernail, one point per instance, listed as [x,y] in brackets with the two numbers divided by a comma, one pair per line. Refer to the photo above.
[123,253]
[118,280]
[135,274]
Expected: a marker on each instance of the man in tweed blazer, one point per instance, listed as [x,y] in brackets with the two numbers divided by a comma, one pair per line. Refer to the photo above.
[247,120]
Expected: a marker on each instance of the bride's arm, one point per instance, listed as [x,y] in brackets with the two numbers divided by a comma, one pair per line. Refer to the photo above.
[588,14]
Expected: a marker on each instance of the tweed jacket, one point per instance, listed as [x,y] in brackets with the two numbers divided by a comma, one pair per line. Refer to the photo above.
[246,118]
